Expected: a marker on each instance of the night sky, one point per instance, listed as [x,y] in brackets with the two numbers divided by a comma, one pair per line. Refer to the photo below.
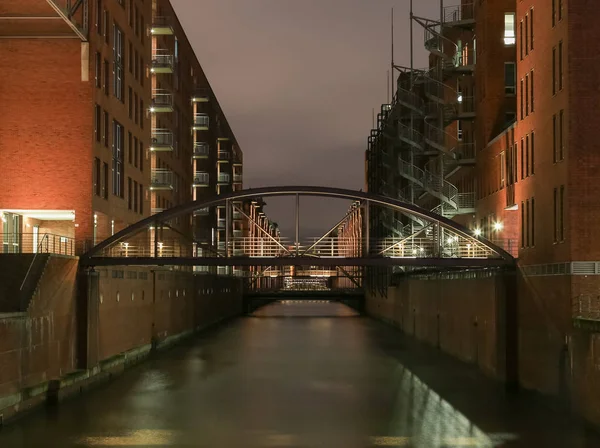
[298,81]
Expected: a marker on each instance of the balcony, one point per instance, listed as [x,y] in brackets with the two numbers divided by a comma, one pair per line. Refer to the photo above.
[237,215]
[161,179]
[460,15]
[237,178]
[157,210]
[201,150]
[162,140]
[202,211]
[201,95]
[223,178]
[162,101]
[162,62]
[223,156]
[201,179]
[221,223]
[201,122]
[162,26]
[238,233]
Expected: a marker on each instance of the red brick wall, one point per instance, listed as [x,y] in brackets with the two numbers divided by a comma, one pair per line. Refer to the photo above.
[46,130]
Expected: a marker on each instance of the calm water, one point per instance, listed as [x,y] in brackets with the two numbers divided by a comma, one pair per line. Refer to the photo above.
[280,381]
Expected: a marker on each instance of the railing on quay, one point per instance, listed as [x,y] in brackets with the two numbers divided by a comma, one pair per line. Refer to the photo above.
[31,243]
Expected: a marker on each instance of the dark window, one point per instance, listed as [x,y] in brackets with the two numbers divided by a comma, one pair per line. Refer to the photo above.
[130,103]
[560,65]
[527,218]
[561,223]
[106,129]
[136,71]
[106,77]
[105,180]
[135,104]
[531,28]
[522,159]
[521,39]
[526,35]
[555,215]
[560,9]
[522,95]
[98,123]
[135,196]
[118,149]
[97,178]
[130,147]
[106,28]
[135,151]
[510,78]
[553,13]
[99,16]
[532,222]
[141,199]
[142,28]
[526,95]
[522,224]
[118,63]
[532,152]
[142,71]
[129,192]
[527,172]
[142,113]
[561,147]
[98,70]
[130,57]
[532,91]
[554,139]
[554,71]
[141,156]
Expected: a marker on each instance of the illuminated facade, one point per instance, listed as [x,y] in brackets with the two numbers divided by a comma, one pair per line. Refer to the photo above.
[112,120]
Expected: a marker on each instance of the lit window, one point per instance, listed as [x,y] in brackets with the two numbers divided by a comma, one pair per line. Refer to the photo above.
[509,28]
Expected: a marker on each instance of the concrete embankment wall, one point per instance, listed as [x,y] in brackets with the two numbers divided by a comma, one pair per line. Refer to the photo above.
[517,328]
[138,309]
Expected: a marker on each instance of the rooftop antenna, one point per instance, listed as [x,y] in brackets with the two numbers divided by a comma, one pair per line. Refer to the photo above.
[373,118]
[411,46]
[388,87]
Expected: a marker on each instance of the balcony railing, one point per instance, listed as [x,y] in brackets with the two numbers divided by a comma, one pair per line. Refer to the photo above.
[201,122]
[237,178]
[201,150]
[221,223]
[237,215]
[161,179]
[162,101]
[201,179]
[223,178]
[464,12]
[223,155]
[156,210]
[201,95]
[30,243]
[161,26]
[238,233]
[162,140]
[162,62]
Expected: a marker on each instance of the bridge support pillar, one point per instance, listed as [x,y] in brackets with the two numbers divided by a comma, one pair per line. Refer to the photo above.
[87,315]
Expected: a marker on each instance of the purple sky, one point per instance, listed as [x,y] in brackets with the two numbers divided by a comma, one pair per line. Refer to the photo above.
[298,81]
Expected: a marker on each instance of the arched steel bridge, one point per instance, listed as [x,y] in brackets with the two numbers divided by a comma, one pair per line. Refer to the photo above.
[438,241]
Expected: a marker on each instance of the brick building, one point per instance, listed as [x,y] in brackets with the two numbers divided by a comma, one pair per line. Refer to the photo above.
[110,119]
[498,133]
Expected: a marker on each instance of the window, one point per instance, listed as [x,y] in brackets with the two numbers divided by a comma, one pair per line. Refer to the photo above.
[118,85]
[553,13]
[531,90]
[522,159]
[459,130]
[502,169]
[130,13]
[105,180]
[97,178]
[142,113]
[99,17]
[527,217]
[136,71]
[527,172]
[136,22]
[556,215]
[526,35]
[561,146]
[117,159]
[532,222]
[106,77]
[130,57]
[522,97]
[141,156]
[130,147]
[98,70]
[531,29]
[532,151]
[106,130]
[142,28]
[560,10]
[522,224]
[105,28]
[510,118]
[98,123]
[554,71]
[510,78]
[129,192]
[521,39]
[135,105]
[560,65]
[554,139]
[130,103]
[142,71]
[141,199]
[509,28]
[135,151]
[561,222]
[135,196]
[527,95]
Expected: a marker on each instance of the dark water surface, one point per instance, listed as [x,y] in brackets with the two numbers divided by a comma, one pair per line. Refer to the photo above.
[279,381]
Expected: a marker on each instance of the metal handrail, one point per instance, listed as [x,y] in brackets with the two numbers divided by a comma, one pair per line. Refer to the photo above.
[459,13]
[45,237]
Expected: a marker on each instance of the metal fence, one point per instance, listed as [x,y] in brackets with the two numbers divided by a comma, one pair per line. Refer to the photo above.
[31,243]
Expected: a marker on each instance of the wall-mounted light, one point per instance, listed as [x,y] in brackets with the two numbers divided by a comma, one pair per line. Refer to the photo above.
[498,226]
[477,232]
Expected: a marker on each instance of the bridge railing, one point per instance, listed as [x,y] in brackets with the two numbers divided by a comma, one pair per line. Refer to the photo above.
[30,243]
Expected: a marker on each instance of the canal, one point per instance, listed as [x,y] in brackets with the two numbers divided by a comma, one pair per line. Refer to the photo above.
[299,375]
